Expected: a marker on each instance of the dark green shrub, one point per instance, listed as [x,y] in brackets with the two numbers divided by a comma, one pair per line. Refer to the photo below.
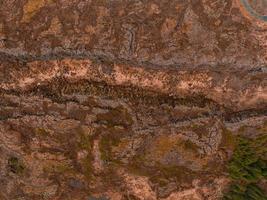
[247,163]
[246,168]
[245,192]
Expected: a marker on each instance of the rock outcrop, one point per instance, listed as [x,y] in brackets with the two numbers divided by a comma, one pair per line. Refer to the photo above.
[127,99]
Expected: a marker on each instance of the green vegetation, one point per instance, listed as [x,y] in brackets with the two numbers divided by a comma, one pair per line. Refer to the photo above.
[245,192]
[247,167]
[15,165]
[247,164]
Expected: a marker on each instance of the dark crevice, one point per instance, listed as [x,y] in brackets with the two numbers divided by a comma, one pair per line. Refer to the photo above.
[59,88]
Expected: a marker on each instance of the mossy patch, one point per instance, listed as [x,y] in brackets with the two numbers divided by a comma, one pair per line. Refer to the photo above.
[248,163]
[15,165]
[245,192]
[247,167]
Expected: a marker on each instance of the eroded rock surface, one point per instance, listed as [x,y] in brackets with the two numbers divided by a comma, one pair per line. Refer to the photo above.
[126,99]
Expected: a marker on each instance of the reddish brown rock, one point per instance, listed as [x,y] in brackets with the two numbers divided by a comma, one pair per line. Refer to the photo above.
[127,99]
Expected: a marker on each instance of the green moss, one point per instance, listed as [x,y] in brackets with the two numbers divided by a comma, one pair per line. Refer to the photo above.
[247,167]
[248,163]
[15,165]
[245,192]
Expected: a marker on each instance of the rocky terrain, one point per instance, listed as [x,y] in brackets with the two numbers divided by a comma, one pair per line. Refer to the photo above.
[128,99]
